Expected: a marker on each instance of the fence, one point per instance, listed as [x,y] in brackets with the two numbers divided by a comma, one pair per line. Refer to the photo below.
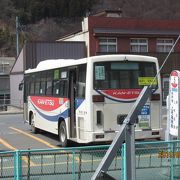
[5,105]
[154,160]
[5,102]
[4,99]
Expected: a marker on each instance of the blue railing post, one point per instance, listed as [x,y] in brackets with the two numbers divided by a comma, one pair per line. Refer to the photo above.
[17,165]
[172,161]
[123,174]
[73,166]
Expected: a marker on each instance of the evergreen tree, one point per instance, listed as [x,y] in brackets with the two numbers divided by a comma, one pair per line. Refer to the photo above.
[7,10]
[30,11]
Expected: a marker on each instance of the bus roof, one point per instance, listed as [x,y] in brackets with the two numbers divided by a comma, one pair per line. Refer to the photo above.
[57,63]
[123,57]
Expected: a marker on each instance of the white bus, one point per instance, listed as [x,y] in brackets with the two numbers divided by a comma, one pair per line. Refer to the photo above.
[86,100]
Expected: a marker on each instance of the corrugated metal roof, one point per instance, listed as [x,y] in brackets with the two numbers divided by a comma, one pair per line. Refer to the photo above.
[135,31]
[36,52]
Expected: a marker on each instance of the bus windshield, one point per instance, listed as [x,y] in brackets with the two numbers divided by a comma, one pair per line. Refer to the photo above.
[124,75]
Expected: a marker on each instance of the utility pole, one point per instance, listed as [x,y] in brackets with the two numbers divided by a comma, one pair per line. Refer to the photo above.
[17,36]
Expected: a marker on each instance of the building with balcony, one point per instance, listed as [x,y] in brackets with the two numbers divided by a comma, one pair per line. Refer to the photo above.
[109,33]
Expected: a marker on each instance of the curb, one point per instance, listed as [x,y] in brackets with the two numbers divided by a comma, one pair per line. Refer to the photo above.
[6,113]
[12,110]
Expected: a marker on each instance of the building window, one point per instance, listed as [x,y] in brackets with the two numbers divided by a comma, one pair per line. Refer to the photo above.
[4,67]
[81,81]
[139,45]
[164,45]
[108,44]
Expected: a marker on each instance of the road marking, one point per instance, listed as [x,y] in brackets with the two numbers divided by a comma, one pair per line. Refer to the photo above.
[39,140]
[34,137]
[6,144]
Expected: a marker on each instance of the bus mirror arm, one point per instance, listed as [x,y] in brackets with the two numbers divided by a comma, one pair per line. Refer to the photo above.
[21,86]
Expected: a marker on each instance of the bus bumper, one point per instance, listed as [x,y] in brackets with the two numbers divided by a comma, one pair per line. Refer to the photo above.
[109,136]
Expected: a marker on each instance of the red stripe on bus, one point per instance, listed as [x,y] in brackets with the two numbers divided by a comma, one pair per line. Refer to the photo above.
[47,103]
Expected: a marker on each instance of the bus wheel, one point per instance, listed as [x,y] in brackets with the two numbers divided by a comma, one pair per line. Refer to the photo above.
[63,134]
[33,128]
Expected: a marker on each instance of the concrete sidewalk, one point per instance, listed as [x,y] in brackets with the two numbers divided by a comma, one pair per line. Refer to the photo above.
[12,110]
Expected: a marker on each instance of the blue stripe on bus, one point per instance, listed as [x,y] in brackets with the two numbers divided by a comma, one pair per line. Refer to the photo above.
[64,114]
[78,102]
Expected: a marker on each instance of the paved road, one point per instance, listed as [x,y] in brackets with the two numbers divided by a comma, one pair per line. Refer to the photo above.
[15,134]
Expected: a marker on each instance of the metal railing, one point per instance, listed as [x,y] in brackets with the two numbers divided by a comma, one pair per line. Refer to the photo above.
[6,104]
[71,163]
[154,160]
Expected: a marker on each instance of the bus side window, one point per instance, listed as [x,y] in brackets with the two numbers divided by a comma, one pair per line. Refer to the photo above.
[43,83]
[49,82]
[43,87]
[49,88]
[81,89]
[81,81]
[63,88]
[37,83]
[56,87]
[37,88]
[32,88]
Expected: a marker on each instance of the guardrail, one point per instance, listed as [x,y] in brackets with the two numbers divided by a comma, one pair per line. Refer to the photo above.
[154,160]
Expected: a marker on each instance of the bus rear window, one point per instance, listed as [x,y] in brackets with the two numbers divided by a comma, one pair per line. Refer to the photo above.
[124,75]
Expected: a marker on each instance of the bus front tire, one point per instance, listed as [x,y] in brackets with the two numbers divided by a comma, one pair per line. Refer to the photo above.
[33,128]
[63,134]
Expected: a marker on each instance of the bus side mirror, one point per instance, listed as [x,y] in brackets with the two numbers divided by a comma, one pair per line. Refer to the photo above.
[20,86]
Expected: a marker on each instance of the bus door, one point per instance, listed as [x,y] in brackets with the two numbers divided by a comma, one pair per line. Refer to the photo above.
[72,91]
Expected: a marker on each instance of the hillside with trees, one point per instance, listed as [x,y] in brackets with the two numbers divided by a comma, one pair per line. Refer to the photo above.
[47,20]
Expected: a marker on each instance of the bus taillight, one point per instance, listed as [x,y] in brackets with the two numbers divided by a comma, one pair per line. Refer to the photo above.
[98,98]
[99,117]
[155,97]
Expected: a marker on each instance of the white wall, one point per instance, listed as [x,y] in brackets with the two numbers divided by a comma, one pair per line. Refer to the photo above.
[16,76]
[16,95]
[80,36]
[18,66]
